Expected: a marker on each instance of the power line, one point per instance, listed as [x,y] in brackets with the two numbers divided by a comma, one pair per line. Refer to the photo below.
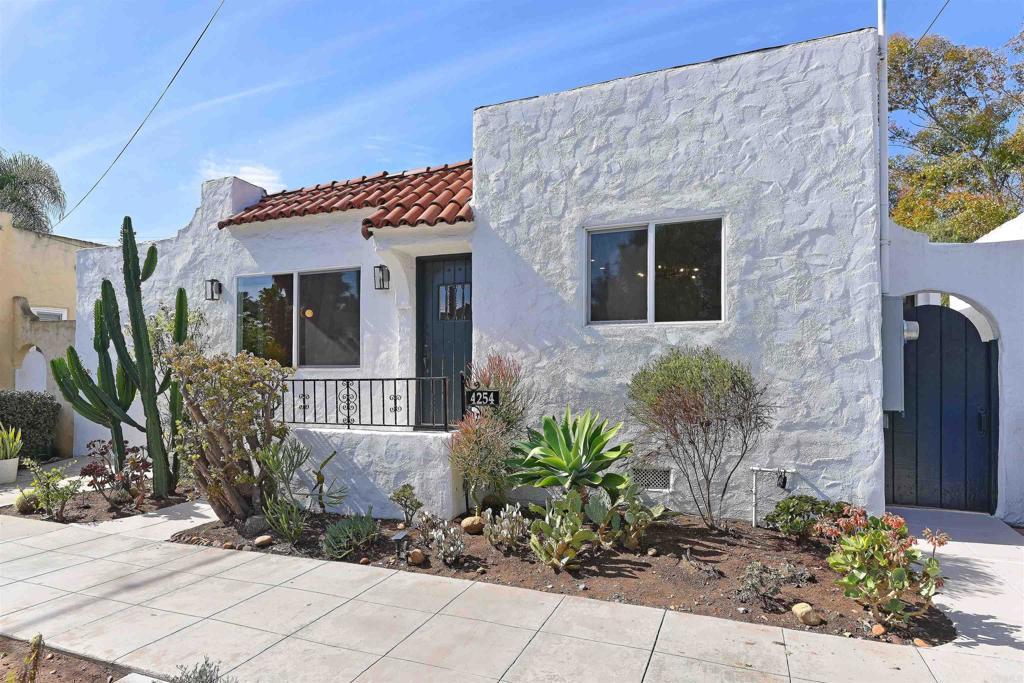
[146,118]
[941,10]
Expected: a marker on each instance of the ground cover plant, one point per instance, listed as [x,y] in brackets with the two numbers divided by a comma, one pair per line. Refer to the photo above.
[52,491]
[18,658]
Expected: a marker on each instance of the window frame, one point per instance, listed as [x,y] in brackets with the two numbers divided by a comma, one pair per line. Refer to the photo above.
[52,310]
[296,313]
[650,226]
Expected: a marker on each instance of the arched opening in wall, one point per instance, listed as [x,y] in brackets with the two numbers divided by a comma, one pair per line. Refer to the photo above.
[940,451]
[31,374]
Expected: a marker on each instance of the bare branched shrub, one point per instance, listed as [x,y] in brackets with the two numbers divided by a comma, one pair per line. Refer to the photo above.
[706,413]
[478,451]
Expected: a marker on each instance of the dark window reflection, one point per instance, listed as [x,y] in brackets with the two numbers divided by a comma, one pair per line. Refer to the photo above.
[688,271]
[265,316]
[455,302]
[618,275]
[329,318]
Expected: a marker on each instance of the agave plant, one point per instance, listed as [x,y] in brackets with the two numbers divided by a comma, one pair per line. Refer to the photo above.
[573,455]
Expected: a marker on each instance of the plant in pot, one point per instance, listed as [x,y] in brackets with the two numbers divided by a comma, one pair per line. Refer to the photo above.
[10,447]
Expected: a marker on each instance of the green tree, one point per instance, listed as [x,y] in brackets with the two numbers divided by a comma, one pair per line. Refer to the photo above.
[956,126]
[30,191]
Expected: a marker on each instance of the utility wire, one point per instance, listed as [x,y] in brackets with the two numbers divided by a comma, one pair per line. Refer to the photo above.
[941,10]
[146,118]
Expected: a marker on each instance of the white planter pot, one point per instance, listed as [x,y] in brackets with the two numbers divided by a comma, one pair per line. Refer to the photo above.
[8,470]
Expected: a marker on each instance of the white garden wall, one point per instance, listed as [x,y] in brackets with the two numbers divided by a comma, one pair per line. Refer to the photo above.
[782,144]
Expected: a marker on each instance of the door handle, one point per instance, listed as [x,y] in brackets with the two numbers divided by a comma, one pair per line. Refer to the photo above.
[982,421]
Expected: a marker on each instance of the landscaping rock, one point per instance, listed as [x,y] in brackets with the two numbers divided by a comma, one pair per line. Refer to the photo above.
[878,630]
[652,552]
[473,525]
[417,557]
[806,614]
[254,525]
[364,560]
[228,545]
[921,643]
[263,541]
[481,570]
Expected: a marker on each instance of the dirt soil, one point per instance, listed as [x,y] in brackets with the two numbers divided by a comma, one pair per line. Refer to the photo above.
[683,567]
[89,506]
[56,667]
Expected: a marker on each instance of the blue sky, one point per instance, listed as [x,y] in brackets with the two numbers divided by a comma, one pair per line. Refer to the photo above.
[289,93]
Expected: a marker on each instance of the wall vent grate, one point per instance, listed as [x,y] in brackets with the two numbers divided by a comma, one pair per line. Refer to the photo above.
[653,479]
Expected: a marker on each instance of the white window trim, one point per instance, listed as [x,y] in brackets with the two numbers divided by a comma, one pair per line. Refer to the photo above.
[62,312]
[650,225]
[295,312]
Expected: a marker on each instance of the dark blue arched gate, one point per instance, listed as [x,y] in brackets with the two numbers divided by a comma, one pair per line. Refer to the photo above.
[941,450]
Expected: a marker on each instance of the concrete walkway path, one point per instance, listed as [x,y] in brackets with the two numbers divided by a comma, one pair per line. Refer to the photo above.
[151,605]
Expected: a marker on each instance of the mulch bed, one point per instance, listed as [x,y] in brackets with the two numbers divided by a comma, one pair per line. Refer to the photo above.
[684,567]
[56,667]
[89,506]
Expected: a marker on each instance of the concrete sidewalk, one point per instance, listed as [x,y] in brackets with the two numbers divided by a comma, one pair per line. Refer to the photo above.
[152,605]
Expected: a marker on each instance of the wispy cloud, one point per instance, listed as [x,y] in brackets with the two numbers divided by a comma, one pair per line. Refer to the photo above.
[257,174]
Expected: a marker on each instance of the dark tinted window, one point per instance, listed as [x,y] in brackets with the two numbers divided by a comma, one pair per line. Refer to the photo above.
[329,318]
[618,275]
[688,271]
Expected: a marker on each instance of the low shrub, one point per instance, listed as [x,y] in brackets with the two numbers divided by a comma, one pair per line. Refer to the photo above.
[285,517]
[207,672]
[761,582]
[35,414]
[882,568]
[405,498]
[448,543]
[118,487]
[52,490]
[507,530]
[478,451]
[349,534]
[798,515]
[558,537]
[26,502]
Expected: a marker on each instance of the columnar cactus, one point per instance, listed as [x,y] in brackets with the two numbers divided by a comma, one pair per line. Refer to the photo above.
[92,399]
[136,364]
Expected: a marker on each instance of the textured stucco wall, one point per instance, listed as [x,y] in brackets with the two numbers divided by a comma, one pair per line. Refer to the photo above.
[783,144]
[371,463]
[990,277]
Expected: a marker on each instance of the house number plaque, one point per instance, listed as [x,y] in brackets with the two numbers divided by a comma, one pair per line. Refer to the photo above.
[480,398]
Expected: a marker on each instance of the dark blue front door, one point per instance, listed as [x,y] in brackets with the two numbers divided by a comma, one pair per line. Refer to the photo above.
[444,332]
[940,451]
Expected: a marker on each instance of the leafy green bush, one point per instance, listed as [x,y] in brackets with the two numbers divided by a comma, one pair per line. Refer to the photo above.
[405,497]
[706,413]
[349,534]
[557,539]
[53,491]
[881,567]
[798,515]
[573,454]
[35,414]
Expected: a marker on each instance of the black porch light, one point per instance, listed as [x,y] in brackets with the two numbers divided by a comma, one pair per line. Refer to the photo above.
[213,290]
[381,277]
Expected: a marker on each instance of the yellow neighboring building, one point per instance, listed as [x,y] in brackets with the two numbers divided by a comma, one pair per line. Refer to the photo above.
[37,312]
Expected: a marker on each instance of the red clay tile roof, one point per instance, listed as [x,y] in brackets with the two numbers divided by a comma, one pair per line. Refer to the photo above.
[425,196]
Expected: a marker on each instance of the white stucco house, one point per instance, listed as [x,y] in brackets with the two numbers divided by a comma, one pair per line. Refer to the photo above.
[734,203]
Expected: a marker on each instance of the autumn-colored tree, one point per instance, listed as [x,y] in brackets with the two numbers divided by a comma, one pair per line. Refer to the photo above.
[956,128]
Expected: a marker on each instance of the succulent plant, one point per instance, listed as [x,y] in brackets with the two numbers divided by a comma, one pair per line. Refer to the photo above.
[448,543]
[557,539]
[506,530]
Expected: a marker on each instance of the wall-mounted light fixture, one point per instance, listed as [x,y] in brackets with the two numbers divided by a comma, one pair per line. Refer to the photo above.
[381,277]
[213,290]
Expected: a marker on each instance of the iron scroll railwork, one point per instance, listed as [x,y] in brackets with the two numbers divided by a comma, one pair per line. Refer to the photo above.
[366,402]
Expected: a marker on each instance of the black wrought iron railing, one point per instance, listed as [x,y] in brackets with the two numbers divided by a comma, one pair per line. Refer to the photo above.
[418,402]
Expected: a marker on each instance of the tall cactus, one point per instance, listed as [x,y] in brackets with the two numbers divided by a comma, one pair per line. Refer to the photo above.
[137,366]
[92,399]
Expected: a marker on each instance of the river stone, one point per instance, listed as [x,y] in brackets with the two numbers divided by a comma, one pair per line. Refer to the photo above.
[263,541]
[806,614]
[473,525]
[417,557]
